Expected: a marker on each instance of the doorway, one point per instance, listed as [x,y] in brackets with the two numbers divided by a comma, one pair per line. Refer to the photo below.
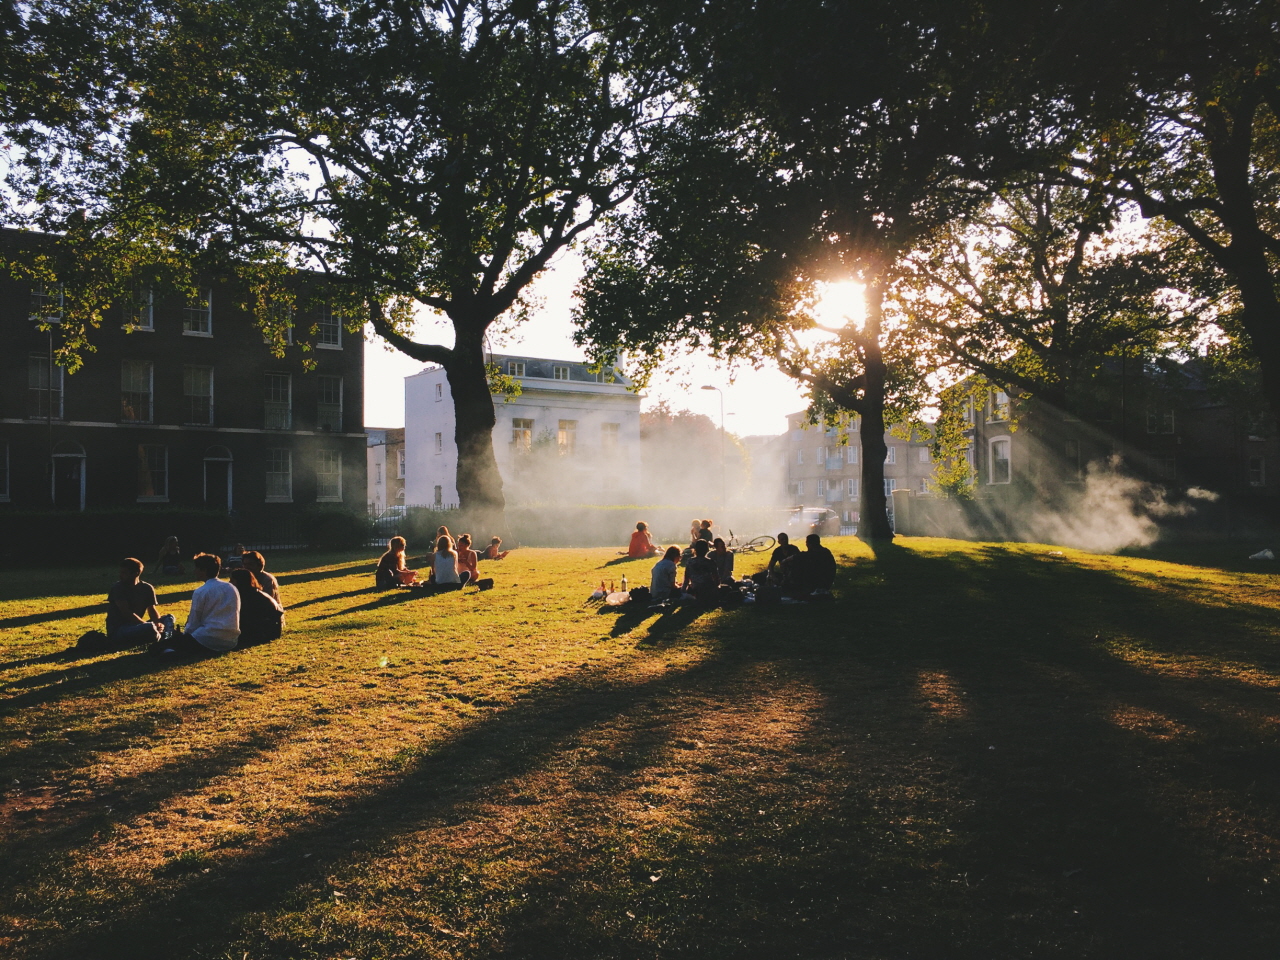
[68,482]
[217,479]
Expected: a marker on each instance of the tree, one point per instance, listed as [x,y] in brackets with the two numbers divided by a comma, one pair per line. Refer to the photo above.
[1185,122]
[779,184]
[1036,289]
[431,156]
[680,456]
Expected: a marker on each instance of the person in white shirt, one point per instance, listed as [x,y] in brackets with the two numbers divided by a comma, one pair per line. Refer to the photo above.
[214,622]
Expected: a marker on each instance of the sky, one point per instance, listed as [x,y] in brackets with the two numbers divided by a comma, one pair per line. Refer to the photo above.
[755,401]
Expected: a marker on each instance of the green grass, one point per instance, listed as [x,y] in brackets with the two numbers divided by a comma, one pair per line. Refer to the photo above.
[978,750]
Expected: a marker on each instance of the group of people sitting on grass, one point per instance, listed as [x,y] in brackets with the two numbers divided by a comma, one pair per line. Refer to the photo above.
[708,566]
[224,615]
[452,565]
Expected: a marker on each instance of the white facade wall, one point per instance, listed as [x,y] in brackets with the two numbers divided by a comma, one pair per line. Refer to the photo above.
[589,474]
[427,413]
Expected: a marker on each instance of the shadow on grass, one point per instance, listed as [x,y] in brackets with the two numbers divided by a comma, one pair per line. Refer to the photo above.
[346,594]
[972,771]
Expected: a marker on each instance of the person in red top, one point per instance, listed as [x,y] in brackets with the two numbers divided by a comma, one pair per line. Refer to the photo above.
[467,559]
[642,544]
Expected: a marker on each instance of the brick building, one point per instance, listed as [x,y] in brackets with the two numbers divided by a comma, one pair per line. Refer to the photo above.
[181,404]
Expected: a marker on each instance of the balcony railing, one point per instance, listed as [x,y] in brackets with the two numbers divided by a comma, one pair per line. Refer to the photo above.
[835,463]
[835,495]
[277,416]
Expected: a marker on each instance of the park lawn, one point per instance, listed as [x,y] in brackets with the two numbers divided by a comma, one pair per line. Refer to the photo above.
[976,750]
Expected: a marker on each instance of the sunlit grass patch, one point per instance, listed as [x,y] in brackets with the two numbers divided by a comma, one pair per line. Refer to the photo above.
[976,749]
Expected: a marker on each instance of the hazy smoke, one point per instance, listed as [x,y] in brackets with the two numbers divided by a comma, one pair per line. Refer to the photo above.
[1111,512]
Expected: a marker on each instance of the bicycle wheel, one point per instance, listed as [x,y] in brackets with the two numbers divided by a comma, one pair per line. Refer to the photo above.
[758,544]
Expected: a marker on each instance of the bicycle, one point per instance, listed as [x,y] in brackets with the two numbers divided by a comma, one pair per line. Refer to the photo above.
[754,545]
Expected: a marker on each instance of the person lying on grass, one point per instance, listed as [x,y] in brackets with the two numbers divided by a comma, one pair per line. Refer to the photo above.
[494,550]
[213,626]
[701,576]
[392,571]
[128,599]
[261,617]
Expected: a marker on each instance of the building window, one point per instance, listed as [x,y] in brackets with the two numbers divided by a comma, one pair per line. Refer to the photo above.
[799,488]
[4,473]
[197,315]
[515,368]
[278,402]
[609,437]
[966,410]
[136,378]
[329,410]
[923,487]
[439,443]
[521,434]
[923,454]
[1000,471]
[567,437]
[328,476]
[139,310]
[46,303]
[329,330]
[400,464]
[559,372]
[197,390]
[44,389]
[1071,454]
[1165,468]
[279,475]
[890,485]
[153,472]
[820,455]
[822,487]
[891,455]
[439,495]
[851,489]
[377,474]
[1257,473]
[999,403]
[439,392]
[1160,420]
[851,454]
[800,458]
[855,423]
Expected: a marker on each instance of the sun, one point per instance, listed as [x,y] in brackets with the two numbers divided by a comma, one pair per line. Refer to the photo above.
[841,303]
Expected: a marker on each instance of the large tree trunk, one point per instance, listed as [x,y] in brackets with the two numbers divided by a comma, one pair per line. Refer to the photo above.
[874,523]
[479,483]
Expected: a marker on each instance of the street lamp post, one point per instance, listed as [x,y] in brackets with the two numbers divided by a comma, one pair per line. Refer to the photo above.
[723,497]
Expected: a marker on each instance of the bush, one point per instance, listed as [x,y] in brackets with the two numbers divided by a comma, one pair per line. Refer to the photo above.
[335,529]
[100,536]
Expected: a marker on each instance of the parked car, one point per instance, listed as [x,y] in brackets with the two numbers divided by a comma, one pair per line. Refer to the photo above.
[806,520]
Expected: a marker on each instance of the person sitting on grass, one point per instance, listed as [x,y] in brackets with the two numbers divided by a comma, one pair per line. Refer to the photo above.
[642,544]
[261,617]
[236,559]
[701,576]
[213,626]
[662,580]
[494,550]
[170,559]
[445,564]
[255,563]
[704,531]
[722,557]
[128,599]
[781,552]
[392,571]
[468,562]
[809,572]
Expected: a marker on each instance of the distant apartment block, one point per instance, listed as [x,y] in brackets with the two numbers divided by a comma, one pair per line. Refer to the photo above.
[571,436]
[385,468]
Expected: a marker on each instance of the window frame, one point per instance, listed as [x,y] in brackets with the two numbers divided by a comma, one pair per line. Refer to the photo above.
[610,434]
[285,406]
[144,305]
[1261,481]
[326,409]
[851,488]
[329,497]
[187,315]
[40,292]
[44,366]
[271,458]
[150,393]
[145,450]
[560,368]
[328,319]
[992,459]
[439,444]
[515,368]
[891,456]
[522,436]
[567,437]
[187,396]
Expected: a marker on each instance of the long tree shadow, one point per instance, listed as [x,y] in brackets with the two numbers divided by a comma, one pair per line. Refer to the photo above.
[346,594]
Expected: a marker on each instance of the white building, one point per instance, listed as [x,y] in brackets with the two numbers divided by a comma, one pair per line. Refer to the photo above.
[572,436]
